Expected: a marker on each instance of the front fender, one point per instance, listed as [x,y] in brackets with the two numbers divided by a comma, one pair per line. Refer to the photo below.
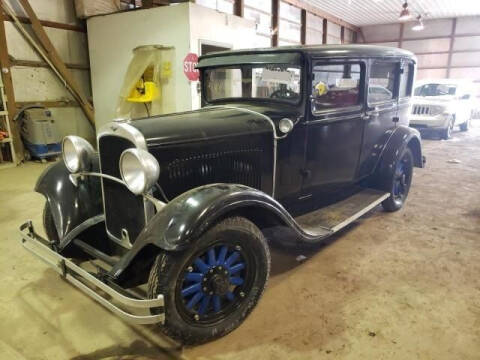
[70,205]
[187,216]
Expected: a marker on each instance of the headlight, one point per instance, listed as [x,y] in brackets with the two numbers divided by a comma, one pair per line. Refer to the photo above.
[76,153]
[139,170]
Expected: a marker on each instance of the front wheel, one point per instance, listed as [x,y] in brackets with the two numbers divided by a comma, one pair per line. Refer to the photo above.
[398,182]
[447,132]
[212,286]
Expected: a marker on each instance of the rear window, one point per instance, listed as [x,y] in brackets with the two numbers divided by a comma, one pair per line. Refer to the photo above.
[335,86]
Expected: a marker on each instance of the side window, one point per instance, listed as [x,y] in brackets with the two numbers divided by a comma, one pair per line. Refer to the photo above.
[381,85]
[335,86]
[406,81]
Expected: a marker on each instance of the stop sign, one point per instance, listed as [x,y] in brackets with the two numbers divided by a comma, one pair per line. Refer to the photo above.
[189,63]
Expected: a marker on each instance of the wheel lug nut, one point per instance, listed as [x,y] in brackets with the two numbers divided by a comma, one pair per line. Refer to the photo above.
[219,268]
[210,271]
[196,317]
[205,289]
[242,294]
[225,272]
[190,269]
[211,293]
[238,248]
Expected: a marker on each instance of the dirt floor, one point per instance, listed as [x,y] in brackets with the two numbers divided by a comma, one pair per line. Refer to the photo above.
[391,286]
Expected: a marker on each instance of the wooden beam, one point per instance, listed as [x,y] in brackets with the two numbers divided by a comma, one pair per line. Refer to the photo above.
[48,104]
[342,35]
[52,24]
[303,27]
[238,7]
[316,11]
[426,38]
[325,30]
[275,21]
[450,49]
[33,63]
[8,85]
[54,57]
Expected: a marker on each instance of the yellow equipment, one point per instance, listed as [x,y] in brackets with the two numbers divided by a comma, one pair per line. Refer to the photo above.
[143,92]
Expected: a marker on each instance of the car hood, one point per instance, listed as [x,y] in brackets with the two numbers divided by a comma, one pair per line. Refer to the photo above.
[209,122]
[434,100]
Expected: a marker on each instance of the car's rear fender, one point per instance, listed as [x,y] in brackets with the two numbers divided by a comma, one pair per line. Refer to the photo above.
[401,138]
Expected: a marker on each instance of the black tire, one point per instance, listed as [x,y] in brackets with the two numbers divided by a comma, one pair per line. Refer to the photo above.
[49,224]
[169,272]
[398,182]
[447,132]
[465,126]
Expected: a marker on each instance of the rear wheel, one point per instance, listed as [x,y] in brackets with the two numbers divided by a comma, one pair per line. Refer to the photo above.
[466,125]
[49,224]
[211,287]
[398,182]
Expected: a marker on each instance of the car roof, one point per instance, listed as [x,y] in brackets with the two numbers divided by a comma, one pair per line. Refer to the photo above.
[351,50]
[444,81]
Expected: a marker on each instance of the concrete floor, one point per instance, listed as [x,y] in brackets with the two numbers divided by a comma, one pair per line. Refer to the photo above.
[392,286]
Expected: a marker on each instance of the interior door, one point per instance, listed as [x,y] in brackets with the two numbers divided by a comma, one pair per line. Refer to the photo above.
[334,127]
[381,115]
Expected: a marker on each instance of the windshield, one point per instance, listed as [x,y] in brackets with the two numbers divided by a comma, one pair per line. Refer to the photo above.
[435,90]
[278,82]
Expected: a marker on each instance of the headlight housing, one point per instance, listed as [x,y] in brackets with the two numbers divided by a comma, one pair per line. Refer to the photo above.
[77,153]
[139,170]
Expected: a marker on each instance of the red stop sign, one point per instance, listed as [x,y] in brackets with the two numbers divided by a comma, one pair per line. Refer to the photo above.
[189,63]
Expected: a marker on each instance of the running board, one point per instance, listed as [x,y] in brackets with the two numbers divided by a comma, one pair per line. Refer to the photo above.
[330,219]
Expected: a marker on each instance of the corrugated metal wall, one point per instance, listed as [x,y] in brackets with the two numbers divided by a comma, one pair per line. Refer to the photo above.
[446,48]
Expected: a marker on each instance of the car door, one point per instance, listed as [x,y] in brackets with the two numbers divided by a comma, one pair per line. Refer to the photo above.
[381,112]
[334,125]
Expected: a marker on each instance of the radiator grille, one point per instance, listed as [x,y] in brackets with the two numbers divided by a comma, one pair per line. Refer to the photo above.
[421,110]
[123,210]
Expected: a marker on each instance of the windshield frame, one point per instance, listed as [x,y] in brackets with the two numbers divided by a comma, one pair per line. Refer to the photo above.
[253,99]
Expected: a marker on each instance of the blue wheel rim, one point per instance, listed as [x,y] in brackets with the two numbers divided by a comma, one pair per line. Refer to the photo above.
[214,283]
[401,180]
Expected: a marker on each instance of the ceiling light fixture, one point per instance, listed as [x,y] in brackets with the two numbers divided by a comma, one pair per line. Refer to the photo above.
[405,13]
[419,24]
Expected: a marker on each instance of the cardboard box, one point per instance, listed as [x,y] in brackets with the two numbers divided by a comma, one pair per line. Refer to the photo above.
[87,8]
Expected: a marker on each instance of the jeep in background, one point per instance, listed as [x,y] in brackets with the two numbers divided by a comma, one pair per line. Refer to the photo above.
[440,105]
[287,137]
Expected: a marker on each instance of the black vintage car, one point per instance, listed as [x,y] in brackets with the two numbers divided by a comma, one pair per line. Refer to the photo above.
[303,139]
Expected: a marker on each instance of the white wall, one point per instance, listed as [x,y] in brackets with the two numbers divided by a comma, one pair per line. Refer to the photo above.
[112,38]
[224,29]
[34,84]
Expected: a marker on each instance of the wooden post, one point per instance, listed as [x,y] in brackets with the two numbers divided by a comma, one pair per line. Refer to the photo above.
[324,35]
[303,29]
[450,48]
[238,8]
[400,38]
[8,85]
[275,21]
[57,62]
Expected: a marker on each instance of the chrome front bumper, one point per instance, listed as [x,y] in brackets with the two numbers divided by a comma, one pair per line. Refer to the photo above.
[86,282]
